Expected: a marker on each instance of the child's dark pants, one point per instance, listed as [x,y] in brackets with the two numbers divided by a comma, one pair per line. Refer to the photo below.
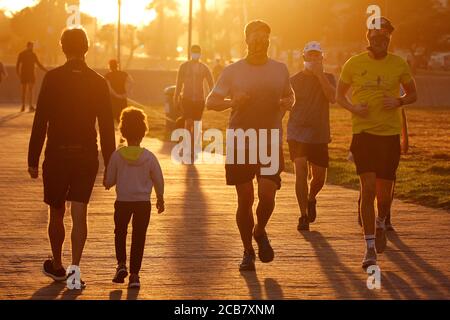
[140,211]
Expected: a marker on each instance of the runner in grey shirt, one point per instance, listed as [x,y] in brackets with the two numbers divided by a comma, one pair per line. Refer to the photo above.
[260,93]
[309,130]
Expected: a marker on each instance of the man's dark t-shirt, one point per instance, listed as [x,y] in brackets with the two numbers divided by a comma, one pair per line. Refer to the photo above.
[27,59]
[309,121]
[117,80]
[71,99]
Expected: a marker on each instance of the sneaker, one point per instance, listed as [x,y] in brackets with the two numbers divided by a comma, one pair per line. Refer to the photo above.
[380,240]
[121,274]
[134,281]
[70,271]
[32,109]
[22,109]
[303,224]
[248,262]
[265,251]
[312,213]
[50,271]
[370,258]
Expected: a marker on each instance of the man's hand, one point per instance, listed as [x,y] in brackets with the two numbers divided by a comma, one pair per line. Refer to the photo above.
[391,103]
[34,172]
[361,110]
[317,68]
[239,100]
[160,206]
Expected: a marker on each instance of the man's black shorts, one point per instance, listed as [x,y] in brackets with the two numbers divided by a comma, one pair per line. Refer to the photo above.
[237,174]
[378,154]
[68,177]
[192,109]
[27,78]
[314,153]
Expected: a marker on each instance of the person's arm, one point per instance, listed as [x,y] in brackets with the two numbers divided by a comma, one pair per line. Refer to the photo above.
[106,123]
[328,88]
[158,182]
[179,85]
[405,136]
[409,97]
[111,173]
[218,100]
[361,110]
[288,98]
[129,82]
[19,64]
[209,79]
[39,64]
[39,129]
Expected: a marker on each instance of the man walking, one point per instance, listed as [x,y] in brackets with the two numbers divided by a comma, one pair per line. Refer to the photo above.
[260,93]
[309,130]
[25,68]
[375,77]
[72,98]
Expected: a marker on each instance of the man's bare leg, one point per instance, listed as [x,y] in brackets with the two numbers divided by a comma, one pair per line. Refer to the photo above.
[368,194]
[79,230]
[244,214]
[24,96]
[56,234]
[301,184]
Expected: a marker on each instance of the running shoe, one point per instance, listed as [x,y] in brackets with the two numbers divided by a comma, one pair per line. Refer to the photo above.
[370,258]
[50,271]
[303,224]
[134,282]
[265,251]
[248,261]
[121,274]
[312,213]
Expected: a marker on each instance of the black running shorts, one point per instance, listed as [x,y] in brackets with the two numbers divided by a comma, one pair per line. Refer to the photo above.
[68,178]
[377,154]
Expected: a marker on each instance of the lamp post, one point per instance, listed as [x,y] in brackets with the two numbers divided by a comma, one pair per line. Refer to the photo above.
[118,30]
[190,30]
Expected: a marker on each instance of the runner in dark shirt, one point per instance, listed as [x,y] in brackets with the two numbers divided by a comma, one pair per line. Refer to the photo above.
[25,67]
[72,98]
[117,81]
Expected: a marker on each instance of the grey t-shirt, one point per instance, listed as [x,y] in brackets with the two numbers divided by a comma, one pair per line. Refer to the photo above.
[192,76]
[265,84]
[309,121]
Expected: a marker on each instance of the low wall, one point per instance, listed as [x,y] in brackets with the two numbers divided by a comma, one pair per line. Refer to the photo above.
[434,91]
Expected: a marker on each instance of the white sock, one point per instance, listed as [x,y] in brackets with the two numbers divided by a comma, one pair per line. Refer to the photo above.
[370,241]
[381,223]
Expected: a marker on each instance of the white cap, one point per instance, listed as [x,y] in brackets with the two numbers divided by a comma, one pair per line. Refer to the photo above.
[312,46]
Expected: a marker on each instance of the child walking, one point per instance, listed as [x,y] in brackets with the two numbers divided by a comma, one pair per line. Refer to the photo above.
[134,171]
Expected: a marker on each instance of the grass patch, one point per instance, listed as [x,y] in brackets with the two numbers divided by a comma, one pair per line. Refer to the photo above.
[423,175]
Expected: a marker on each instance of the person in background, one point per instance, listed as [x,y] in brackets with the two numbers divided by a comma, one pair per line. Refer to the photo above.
[25,68]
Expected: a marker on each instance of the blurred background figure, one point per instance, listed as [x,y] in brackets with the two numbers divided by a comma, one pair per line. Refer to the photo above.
[25,67]
[3,73]
[189,92]
[119,83]
[217,70]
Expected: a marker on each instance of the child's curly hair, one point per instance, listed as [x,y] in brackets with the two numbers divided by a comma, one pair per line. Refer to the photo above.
[133,124]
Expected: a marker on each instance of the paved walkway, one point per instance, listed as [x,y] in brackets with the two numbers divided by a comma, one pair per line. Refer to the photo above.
[193,250]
